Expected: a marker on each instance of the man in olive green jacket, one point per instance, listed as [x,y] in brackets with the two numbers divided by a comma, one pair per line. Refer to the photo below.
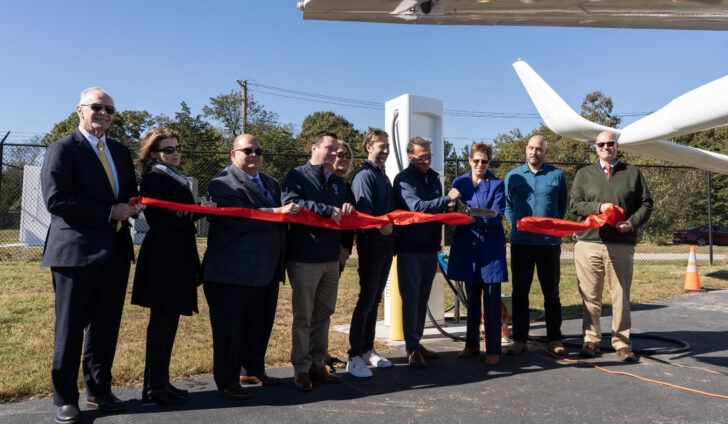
[608,252]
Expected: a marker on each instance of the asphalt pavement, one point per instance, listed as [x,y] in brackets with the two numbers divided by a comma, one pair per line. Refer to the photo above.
[533,387]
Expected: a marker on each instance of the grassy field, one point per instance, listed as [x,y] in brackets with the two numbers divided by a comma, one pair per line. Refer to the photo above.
[27,319]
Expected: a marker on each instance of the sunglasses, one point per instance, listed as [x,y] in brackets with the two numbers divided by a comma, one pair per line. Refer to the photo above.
[250,151]
[170,149]
[422,158]
[342,155]
[96,107]
[481,161]
[608,144]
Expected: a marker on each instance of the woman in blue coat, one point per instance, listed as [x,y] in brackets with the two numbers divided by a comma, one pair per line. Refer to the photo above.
[478,253]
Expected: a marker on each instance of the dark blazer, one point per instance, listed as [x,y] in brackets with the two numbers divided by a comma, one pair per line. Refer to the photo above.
[241,251]
[168,268]
[79,197]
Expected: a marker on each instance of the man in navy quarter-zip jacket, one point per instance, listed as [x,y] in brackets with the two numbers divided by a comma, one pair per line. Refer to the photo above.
[312,259]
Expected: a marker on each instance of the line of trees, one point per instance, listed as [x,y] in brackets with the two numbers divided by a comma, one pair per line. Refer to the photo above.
[680,194]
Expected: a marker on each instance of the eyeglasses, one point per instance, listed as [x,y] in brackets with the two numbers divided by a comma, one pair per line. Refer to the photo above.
[170,149]
[422,158]
[481,161]
[250,151]
[608,144]
[342,155]
[96,107]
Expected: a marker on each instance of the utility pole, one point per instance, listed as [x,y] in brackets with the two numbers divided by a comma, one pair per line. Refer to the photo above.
[244,86]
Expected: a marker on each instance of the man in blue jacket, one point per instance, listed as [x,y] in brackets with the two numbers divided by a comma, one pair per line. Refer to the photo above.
[418,189]
[535,189]
[374,195]
[312,258]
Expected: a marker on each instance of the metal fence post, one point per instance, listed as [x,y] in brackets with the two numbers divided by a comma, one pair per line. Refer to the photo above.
[2,145]
[710,221]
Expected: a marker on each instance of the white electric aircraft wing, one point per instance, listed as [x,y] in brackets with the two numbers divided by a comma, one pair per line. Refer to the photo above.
[665,14]
[700,109]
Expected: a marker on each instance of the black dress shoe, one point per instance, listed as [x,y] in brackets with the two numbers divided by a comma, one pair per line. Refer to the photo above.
[162,396]
[67,414]
[179,392]
[106,403]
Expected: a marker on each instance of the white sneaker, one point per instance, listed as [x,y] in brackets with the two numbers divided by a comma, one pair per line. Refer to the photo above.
[379,361]
[358,368]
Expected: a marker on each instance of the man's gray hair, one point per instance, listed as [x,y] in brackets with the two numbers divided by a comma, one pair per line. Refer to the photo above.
[91,90]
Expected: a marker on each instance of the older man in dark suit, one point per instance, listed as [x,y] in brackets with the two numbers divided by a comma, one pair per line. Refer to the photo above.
[87,180]
[242,268]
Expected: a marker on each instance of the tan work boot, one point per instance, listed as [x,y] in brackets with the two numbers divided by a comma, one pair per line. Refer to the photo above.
[557,347]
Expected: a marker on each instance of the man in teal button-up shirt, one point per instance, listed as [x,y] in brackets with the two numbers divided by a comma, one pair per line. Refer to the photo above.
[535,189]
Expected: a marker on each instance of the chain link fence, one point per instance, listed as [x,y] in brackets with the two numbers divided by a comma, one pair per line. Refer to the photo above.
[680,194]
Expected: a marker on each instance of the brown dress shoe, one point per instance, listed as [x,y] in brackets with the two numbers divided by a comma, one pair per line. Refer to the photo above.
[237,392]
[322,375]
[416,360]
[589,350]
[626,354]
[249,379]
[468,352]
[492,359]
[517,348]
[303,382]
[267,380]
[429,354]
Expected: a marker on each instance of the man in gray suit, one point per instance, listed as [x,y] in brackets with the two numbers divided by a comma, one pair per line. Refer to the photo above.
[242,268]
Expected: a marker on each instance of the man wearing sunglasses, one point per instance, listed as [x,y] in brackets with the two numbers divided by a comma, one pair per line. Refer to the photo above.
[87,180]
[535,188]
[242,268]
[418,188]
[607,253]
[312,259]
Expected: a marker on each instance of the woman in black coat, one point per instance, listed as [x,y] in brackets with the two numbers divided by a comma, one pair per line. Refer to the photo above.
[167,270]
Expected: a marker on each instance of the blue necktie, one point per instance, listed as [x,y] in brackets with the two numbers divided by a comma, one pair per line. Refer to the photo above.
[259,183]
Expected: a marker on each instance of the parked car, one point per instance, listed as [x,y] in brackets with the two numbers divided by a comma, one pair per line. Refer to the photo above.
[699,235]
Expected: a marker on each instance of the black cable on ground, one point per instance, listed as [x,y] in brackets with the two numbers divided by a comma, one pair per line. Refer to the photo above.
[682,345]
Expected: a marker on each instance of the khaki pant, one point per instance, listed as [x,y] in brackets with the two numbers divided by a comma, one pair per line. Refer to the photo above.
[594,263]
[314,288]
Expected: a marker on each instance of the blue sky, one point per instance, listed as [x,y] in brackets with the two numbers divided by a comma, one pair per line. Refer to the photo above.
[154,54]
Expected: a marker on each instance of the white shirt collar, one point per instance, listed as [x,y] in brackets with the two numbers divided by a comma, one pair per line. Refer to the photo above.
[92,138]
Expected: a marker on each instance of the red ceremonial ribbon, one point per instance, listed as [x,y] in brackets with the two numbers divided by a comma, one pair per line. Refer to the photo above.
[356,220]
[562,227]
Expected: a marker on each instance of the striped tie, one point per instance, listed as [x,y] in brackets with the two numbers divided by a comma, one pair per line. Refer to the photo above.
[109,173]
[609,171]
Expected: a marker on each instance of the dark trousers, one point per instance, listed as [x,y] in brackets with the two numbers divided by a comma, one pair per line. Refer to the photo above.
[259,334]
[415,272]
[375,261]
[490,293]
[234,312]
[161,332]
[89,298]
[547,261]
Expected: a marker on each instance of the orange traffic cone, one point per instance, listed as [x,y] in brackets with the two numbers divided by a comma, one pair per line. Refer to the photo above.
[692,281]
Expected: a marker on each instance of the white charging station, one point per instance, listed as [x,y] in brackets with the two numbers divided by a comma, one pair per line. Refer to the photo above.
[405,117]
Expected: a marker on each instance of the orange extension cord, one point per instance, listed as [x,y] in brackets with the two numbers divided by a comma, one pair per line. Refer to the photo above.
[687,389]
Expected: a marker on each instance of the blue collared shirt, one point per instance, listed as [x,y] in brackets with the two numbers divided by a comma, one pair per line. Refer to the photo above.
[541,194]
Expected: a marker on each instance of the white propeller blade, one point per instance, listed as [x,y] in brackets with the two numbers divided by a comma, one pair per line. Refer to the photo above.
[703,108]
[697,110]
[557,115]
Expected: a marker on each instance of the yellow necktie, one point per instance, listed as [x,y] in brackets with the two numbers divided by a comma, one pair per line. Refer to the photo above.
[109,173]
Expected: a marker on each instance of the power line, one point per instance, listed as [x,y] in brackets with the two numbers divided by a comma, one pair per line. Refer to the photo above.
[367,104]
